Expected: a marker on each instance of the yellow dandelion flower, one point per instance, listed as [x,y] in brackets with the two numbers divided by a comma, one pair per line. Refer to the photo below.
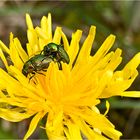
[68,96]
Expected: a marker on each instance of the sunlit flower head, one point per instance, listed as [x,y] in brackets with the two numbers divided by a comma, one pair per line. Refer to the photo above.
[67,97]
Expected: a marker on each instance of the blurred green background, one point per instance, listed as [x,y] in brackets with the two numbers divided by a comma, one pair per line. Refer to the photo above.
[121,18]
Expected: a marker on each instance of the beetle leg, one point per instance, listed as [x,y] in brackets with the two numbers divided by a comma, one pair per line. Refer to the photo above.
[32,76]
[41,52]
[40,73]
[59,65]
[44,70]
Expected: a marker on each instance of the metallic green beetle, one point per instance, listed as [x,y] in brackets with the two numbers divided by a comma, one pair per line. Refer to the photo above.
[57,51]
[40,62]
[36,64]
